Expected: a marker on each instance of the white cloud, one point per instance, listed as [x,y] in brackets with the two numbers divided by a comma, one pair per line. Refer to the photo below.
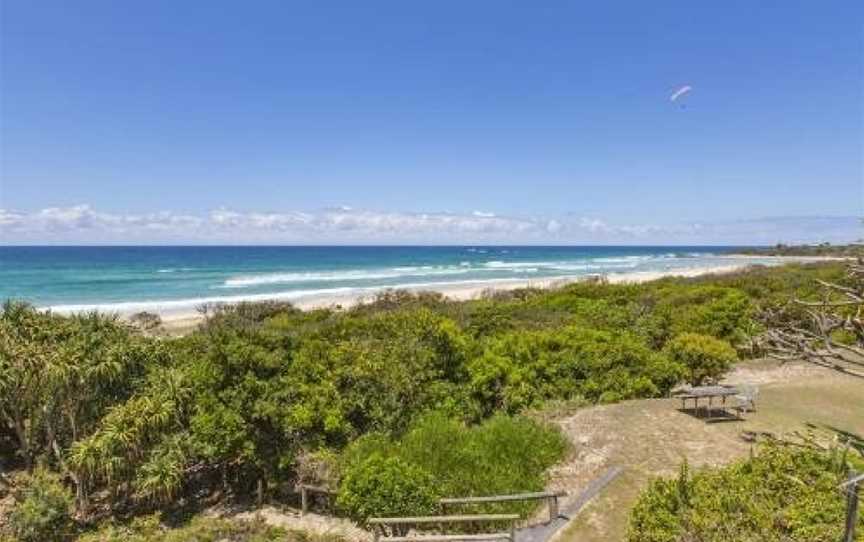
[85,225]
[10,219]
[594,225]
[553,226]
[83,220]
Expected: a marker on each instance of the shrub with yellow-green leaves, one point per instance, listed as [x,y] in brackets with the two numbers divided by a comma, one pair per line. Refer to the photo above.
[705,358]
[781,494]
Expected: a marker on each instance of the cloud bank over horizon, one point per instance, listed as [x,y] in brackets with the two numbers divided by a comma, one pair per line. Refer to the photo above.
[82,224]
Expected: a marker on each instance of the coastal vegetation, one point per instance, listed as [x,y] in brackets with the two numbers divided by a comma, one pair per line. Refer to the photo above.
[392,404]
[781,493]
[821,250]
[441,457]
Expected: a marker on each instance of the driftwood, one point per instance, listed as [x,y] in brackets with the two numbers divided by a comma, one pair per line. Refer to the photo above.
[840,309]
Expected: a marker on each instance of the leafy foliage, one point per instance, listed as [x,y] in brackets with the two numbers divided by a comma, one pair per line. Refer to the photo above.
[58,376]
[500,456]
[705,358]
[523,369]
[387,486]
[42,510]
[783,493]
[137,422]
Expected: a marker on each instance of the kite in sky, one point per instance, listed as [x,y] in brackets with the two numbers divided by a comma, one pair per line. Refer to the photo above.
[680,92]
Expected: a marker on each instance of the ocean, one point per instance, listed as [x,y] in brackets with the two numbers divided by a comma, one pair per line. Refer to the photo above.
[132,279]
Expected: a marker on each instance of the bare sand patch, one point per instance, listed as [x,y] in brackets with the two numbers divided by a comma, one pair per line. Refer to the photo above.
[291,520]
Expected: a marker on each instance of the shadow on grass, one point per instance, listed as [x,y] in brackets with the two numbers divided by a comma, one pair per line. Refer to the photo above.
[712,415]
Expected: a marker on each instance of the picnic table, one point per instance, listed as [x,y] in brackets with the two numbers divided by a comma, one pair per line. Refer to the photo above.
[706,392]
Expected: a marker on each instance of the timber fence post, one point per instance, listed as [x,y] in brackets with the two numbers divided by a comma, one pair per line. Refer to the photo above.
[553,508]
[851,507]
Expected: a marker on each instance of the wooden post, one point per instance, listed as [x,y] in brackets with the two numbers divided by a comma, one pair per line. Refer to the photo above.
[851,510]
[513,530]
[260,492]
[553,508]
[304,501]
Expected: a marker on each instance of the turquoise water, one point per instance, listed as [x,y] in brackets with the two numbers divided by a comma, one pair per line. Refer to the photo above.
[128,279]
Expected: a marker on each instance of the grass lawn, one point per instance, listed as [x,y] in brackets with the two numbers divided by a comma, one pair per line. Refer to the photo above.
[651,437]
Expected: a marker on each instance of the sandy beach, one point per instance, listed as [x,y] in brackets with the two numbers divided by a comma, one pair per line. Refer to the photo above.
[182,315]
[183,321]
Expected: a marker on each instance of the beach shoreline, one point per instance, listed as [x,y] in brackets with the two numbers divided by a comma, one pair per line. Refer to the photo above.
[179,322]
[183,315]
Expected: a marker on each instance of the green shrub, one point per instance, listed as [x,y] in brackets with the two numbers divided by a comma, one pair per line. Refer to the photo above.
[781,494]
[521,370]
[502,455]
[386,486]
[725,313]
[704,357]
[374,373]
[42,510]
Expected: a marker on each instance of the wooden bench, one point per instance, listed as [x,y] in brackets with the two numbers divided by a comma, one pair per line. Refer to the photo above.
[551,498]
[380,525]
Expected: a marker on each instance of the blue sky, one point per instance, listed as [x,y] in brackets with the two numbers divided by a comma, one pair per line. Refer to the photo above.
[148,121]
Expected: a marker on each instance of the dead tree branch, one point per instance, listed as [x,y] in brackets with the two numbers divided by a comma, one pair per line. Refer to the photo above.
[829,332]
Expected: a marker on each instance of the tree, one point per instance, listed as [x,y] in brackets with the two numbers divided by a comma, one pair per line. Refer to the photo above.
[59,376]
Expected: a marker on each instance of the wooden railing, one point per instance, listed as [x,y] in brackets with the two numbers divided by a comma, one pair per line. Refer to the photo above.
[551,498]
[384,528]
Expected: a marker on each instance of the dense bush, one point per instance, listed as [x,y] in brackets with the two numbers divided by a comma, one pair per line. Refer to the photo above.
[236,406]
[522,369]
[42,511]
[500,456]
[59,376]
[704,357]
[783,493]
[386,486]
[373,374]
